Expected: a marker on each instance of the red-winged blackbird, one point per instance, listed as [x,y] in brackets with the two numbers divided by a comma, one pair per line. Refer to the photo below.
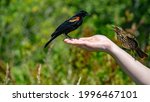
[128,41]
[69,25]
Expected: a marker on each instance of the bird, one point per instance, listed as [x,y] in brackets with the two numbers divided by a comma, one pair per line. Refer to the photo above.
[67,26]
[129,41]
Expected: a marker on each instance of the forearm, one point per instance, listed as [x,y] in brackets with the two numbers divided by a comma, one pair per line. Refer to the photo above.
[137,71]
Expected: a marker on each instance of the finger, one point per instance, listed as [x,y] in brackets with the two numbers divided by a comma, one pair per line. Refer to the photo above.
[70,40]
[79,43]
[75,41]
[85,38]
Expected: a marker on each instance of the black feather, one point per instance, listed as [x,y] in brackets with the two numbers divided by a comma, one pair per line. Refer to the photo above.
[67,26]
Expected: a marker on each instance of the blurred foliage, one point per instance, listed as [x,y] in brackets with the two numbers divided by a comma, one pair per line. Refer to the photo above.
[26,25]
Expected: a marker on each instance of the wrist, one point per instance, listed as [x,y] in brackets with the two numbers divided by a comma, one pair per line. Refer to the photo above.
[112,49]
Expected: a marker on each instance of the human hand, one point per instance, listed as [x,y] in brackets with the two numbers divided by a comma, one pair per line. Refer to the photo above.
[131,66]
[93,43]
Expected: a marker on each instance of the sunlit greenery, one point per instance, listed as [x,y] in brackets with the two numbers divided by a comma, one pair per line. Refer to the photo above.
[26,25]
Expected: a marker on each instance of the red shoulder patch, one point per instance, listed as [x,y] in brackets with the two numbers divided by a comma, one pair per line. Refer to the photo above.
[74,19]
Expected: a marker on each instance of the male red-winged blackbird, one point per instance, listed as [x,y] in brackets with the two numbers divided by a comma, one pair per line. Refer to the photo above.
[69,25]
[128,41]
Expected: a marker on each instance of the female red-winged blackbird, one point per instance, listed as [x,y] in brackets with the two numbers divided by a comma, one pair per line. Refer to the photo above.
[128,41]
[69,25]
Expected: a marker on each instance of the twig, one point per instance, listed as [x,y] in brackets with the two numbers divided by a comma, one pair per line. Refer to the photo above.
[78,83]
[38,74]
[8,76]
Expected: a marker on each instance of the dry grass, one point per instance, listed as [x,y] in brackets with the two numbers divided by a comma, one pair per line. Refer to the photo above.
[38,74]
[8,74]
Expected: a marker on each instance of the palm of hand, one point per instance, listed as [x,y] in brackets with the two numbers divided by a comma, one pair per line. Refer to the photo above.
[94,43]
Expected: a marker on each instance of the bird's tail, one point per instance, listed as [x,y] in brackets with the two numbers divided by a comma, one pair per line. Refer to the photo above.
[141,53]
[52,38]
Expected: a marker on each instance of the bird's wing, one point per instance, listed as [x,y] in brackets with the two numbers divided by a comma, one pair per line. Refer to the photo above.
[132,42]
[74,19]
[68,24]
[62,29]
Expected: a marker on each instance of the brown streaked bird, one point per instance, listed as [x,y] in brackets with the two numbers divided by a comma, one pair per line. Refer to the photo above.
[128,41]
[67,26]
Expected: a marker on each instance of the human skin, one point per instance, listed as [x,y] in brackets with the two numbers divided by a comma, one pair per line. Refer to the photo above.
[136,70]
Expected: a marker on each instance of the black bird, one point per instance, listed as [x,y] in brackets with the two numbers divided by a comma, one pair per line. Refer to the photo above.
[69,25]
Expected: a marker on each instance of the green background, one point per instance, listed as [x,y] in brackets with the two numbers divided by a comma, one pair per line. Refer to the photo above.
[26,25]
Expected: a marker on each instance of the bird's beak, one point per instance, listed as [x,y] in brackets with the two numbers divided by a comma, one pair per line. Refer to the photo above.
[115,28]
